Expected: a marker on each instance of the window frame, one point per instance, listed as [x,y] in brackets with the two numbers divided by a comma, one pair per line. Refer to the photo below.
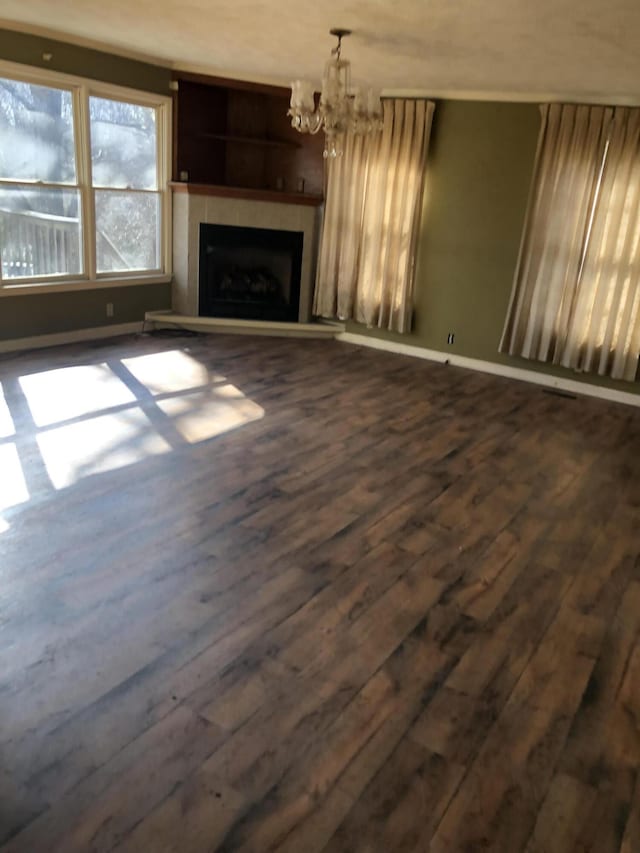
[81,90]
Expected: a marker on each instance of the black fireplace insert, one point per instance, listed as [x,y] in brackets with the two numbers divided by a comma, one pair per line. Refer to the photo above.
[249,273]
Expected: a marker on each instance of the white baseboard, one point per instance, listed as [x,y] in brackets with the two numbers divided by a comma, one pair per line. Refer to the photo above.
[40,341]
[506,370]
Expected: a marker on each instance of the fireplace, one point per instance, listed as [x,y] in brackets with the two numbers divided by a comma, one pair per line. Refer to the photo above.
[249,273]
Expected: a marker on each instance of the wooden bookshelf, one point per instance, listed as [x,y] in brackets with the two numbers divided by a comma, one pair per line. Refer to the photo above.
[238,135]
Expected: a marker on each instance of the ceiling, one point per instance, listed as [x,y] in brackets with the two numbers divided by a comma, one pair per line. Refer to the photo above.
[507,49]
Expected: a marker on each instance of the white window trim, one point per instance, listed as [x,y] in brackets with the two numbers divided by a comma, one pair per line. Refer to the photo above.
[81,89]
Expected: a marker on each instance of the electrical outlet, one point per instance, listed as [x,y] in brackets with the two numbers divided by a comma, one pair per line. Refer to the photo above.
[109,309]
[451,337]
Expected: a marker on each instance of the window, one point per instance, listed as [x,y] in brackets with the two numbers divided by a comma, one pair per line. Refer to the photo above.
[40,209]
[125,179]
[83,182]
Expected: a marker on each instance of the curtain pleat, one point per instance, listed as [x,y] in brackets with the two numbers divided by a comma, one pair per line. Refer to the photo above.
[575,299]
[366,260]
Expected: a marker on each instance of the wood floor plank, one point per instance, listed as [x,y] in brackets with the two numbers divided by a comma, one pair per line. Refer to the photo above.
[497,803]
[395,608]
[194,818]
[352,743]
[562,816]
[402,805]
[91,817]
[631,838]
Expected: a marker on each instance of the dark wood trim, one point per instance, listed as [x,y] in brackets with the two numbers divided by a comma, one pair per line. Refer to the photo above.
[252,140]
[246,193]
[247,85]
[174,135]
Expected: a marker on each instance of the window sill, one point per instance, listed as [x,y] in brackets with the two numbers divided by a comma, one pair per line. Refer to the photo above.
[67,286]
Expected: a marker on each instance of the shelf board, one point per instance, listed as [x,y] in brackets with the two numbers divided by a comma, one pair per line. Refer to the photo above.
[247,193]
[252,140]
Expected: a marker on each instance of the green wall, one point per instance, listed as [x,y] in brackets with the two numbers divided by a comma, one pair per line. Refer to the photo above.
[49,313]
[480,165]
[84,62]
[42,314]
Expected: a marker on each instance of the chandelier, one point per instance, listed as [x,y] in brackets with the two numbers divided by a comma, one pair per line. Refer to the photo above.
[341,108]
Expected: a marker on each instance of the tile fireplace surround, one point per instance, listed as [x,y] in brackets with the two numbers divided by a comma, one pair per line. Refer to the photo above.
[194,204]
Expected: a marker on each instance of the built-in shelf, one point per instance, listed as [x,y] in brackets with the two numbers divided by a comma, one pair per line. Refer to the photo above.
[244,192]
[252,140]
[235,134]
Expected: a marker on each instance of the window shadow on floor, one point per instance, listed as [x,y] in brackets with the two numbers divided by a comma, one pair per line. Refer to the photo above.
[61,425]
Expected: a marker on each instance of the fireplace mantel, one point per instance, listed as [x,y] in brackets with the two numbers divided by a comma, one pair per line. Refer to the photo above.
[277,196]
[217,206]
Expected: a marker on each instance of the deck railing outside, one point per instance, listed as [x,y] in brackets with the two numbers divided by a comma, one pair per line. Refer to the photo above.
[42,244]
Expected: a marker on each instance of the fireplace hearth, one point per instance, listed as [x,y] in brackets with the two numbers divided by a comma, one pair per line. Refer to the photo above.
[249,273]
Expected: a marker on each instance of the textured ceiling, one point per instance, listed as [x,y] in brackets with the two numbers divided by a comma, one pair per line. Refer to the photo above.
[578,49]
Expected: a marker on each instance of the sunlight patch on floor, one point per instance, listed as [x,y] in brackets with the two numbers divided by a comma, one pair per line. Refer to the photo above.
[13,488]
[205,414]
[168,372]
[69,392]
[6,421]
[97,445]
[88,419]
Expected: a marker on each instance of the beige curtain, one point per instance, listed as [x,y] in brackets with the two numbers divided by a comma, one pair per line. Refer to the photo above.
[604,329]
[341,229]
[575,299]
[374,192]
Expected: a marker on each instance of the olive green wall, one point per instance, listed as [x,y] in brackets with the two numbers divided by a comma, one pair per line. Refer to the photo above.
[83,62]
[49,313]
[33,314]
[480,165]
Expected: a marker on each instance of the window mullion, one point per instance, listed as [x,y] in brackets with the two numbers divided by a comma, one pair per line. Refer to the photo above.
[131,190]
[37,185]
[163,114]
[83,160]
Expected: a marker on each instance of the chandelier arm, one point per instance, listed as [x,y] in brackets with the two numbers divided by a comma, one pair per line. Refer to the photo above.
[318,126]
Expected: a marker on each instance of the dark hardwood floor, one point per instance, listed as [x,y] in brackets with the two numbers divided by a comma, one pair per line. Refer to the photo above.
[263,594]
